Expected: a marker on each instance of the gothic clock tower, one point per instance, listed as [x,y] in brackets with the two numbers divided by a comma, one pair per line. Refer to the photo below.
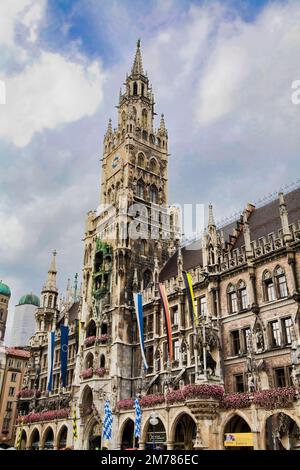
[129,238]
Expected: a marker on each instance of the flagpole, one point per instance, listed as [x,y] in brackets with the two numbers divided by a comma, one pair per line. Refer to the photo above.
[204,349]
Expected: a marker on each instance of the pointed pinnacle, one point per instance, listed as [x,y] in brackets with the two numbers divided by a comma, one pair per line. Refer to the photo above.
[211,220]
[137,67]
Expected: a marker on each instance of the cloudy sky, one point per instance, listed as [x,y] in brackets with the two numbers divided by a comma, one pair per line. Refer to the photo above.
[221,72]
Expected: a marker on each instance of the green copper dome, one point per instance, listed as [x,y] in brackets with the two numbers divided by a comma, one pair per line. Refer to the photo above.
[4,290]
[29,299]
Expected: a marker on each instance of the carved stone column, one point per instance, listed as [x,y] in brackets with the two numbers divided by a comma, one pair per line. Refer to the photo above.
[255,307]
[292,264]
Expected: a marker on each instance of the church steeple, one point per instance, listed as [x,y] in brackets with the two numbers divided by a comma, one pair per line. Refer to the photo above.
[47,313]
[137,68]
[50,285]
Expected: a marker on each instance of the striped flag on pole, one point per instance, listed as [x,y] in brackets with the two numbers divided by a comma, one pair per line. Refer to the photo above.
[138,418]
[138,302]
[190,295]
[107,423]
[51,344]
[64,340]
[19,440]
[165,304]
[75,434]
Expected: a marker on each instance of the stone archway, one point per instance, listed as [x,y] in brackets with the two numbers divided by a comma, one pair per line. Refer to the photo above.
[237,434]
[86,405]
[155,436]
[93,435]
[48,439]
[184,432]
[281,433]
[62,437]
[127,435]
[23,441]
[34,443]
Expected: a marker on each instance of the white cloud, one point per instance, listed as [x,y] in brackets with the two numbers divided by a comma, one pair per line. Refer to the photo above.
[32,18]
[251,67]
[12,236]
[26,12]
[50,92]
[9,11]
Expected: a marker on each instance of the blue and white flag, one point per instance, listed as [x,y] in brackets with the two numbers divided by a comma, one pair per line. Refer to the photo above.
[107,423]
[138,418]
[138,302]
[51,344]
[64,339]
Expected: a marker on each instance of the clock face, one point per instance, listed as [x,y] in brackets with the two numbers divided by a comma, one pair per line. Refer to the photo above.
[115,162]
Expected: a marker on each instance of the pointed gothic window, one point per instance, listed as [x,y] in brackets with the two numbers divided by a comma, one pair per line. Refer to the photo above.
[153,165]
[140,189]
[135,88]
[232,299]
[269,287]
[141,160]
[281,283]
[50,301]
[144,118]
[147,277]
[153,194]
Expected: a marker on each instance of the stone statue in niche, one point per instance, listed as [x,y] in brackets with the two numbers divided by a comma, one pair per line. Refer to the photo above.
[295,377]
[251,383]
[259,339]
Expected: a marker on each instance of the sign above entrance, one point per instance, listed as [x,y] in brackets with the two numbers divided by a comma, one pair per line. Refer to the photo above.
[243,439]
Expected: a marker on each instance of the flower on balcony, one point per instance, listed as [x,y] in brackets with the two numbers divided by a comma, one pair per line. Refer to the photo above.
[151,400]
[275,397]
[236,400]
[102,339]
[194,391]
[44,416]
[125,404]
[87,373]
[28,393]
[90,341]
[100,371]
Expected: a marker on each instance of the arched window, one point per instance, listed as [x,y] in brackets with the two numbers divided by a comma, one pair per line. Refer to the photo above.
[140,189]
[153,165]
[147,278]
[89,361]
[242,295]
[143,247]
[91,329]
[135,89]
[281,283]
[50,298]
[158,142]
[269,287]
[153,194]
[102,361]
[144,118]
[143,89]
[141,160]
[232,299]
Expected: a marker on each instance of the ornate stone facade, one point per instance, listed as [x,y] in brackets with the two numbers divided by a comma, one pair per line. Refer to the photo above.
[239,371]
